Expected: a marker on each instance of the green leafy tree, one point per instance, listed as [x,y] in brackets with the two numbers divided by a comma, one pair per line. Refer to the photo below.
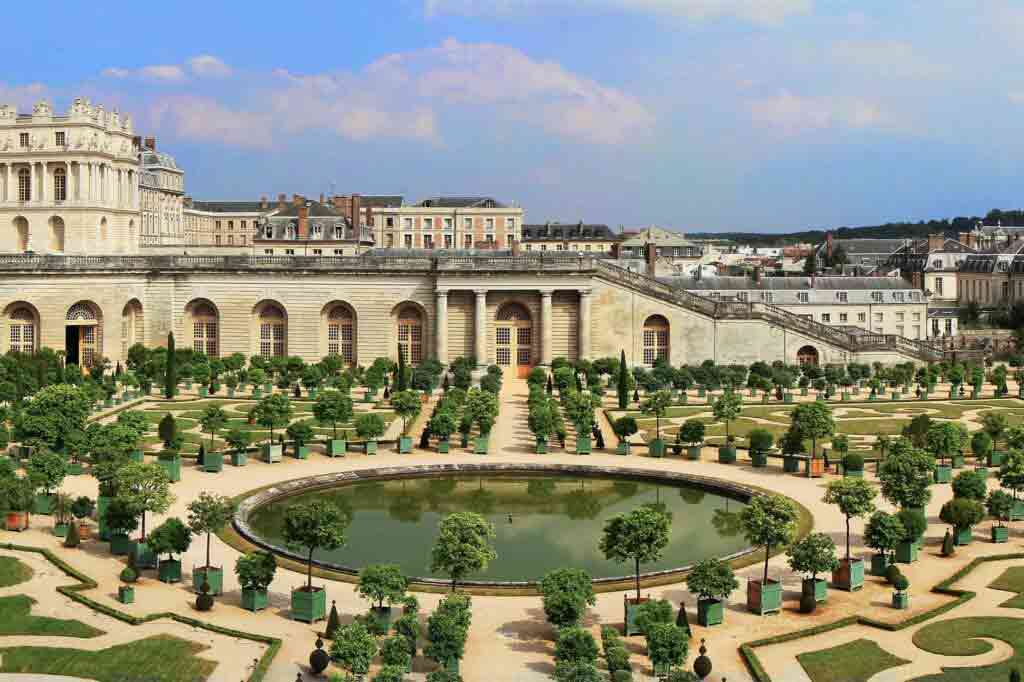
[353,648]
[213,420]
[167,429]
[883,532]
[962,513]
[333,407]
[144,488]
[1011,472]
[171,369]
[382,582]
[407,405]
[1000,505]
[443,424]
[208,514]
[300,433]
[944,439]
[463,546]
[727,408]
[575,644]
[906,475]
[656,405]
[369,426]
[256,569]
[712,579]
[567,593]
[667,645]
[813,421]
[314,525]
[995,424]
[447,628]
[51,415]
[813,554]
[170,537]
[917,430]
[579,408]
[639,536]
[769,521]
[855,498]
[46,470]
[970,484]
[273,412]
[237,439]
[981,445]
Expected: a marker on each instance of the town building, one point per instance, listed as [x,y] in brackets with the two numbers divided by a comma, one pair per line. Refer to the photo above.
[448,223]
[305,227]
[673,252]
[863,256]
[570,237]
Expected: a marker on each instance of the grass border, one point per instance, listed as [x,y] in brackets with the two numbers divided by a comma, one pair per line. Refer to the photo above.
[73,592]
[759,674]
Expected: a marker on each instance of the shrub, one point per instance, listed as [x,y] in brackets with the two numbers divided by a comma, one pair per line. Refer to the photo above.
[901,583]
[567,593]
[892,572]
[575,644]
[914,523]
[970,485]
[962,512]
[667,645]
[72,539]
[712,579]
[617,658]
[577,671]
[129,575]
[653,612]
[853,462]
[692,431]
[395,651]
[761,440]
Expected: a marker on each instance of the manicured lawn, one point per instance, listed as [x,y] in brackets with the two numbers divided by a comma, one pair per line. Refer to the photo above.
[1012,580]
[160,658]
[16,619]
[959,638]
[13,571]
[857,661]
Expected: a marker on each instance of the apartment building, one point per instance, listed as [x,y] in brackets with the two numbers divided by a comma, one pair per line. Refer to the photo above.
[448,223]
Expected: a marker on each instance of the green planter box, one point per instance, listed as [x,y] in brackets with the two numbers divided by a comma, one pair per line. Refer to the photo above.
[231,392]
[309,607]
[583,445]
[819,588]
[404,445]
[369,397]
[301,451]
[255,600]
[169,571]
[464,440]
[75,469]
[213,462]
[872,397]
[271,453]
[727,454]
[759,459]
[764,598]
[943,473]
[623,448]
[137,456]
[109,402]
[1017,513]
[370,447]
[880,562]
[144,556]
[311,392]
[701,393]
[850,575]
[126,594]
[631,610]
[60,530]
[906,552]
[995,459]
[656,448]
[963,536]
[336,447]
[787,398]
[268,387]
[958,461]
[693,452]
[1000,534]
[853,473]
[803,391]
[901,600]
[101,509]
[257,393]
[896,395]
[239,458]
[121,544]
[540,447]
[42,504]
[790,465]
[444,447]
[213,575]
[203,392]
[172,467]
[480,445]
[710,612]
[844,396]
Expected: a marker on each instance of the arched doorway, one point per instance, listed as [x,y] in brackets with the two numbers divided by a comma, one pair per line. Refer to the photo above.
[131,326]
[83,335]
[656,336]
[514,338]
[20,234]
[808,355]
[410,334]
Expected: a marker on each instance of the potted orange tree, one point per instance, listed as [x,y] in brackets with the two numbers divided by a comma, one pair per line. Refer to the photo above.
[208,514]
[855,499]
[309,527]
[255,571]
[639,536]
[768,521]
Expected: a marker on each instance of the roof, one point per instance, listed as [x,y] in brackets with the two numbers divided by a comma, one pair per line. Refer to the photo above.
[381,200]
[153,159]
[866,246]
[233,206]
[659,236]
[316,210]
[461,202]
[789,283]
[575,231]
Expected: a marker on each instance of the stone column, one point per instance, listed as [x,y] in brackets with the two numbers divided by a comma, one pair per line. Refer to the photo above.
[545,327]
[47,193]
[441,324]
[480,327]
[584,334]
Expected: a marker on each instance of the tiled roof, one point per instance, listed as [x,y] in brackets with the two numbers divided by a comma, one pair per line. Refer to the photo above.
[381,200]
[789,283]
[574,231]
[232,206]
[461,202]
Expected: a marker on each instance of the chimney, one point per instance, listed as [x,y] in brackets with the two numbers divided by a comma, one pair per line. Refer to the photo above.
[935,242]
[828,246]
[355,204]
[303,229]
[282,201]
[515,247]
[263,202]
[150,143]
[321,197]
[298,200]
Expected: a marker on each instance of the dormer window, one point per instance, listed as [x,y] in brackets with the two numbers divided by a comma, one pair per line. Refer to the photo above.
[898,296]
[318,231]
[876,296]
[268,231]
[339,231]
[59,139]
[841,296]
[293,230]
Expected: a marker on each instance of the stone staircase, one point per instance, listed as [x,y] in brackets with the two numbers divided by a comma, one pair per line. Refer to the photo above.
[738,310]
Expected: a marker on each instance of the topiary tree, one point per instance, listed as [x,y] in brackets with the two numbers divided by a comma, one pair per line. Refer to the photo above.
[656,405]
[273,412]
[622,381]
[314,525]
[300,433]
[712,579]
[256,569]
[995,425]
[943,439]
[213,420]
[576,645]
[761,440]
[369,426]
[208,514]
[639,536]
[855,499]
[333,407]
[667,646]
[1000,505]
[407,405]
[171,369]
[168,432]
[447,628]
[463,545]
[813,421]
[144,488]
[962,513]
[170,537]
[237,439]
[443,424]
[46,470]
[1011,472]
[353,648]
[381,583]
[692,432]
[813,554]
[970,485]
[883,532]
[567,592]
[906,475]
[726,409]
[981,445]
[769,521]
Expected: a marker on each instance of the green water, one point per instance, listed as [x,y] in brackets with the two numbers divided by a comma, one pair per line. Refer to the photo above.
[541,522]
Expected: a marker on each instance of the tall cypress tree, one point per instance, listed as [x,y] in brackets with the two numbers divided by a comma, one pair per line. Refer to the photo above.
[400,378]
[622,387]
[171,376]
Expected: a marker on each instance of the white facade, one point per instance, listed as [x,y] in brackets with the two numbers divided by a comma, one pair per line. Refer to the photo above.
[68,184]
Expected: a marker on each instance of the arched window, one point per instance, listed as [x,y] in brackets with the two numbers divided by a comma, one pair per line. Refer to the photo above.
[24,185]
[807,355]
[655,339]
[273,331]
[514,337]
[292,231]
[410,334]
[23,330]
[341,334]
[60,185]
[131,326]
[21,233]
[205,332]
[56,234]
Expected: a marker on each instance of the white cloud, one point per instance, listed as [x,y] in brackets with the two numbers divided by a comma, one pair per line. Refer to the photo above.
[758,11]
[209,65]
[794,114]
[887,59]
[1016,97]
[201,118]
[169,73]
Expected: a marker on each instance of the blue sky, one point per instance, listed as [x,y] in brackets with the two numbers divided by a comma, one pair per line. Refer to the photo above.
[753,115]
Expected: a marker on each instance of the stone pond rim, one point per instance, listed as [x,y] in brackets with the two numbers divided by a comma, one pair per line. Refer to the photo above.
[278,491]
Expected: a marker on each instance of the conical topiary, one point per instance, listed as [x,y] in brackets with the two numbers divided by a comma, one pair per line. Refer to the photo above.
[204,602]
[333,621]
[683,620]
[201,456]
[948,548]
[425,439]
[73,538]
